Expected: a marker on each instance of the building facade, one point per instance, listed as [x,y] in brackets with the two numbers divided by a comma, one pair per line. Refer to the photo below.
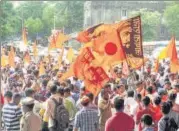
[96,12]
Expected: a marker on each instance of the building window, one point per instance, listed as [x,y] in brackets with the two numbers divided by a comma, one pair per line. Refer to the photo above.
[124,13]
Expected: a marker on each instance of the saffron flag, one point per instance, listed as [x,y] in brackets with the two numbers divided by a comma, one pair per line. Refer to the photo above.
[85,36]
[82,61]
[109,45]
[70,55]
[61,38]
[156,66]
[12,51]
[24,36]
[4,60]
[172,53]
[41,69]
[95,78]
[35,50]
[52,44]
[11,59]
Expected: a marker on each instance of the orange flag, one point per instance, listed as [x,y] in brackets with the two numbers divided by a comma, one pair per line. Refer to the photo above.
[41,69]
[110,45]
[11,59]
[70,55]
[95,78]
[24,36]
[156,67]
[81,62]
[61,38]
[4,60]
[52,44]
[35,50]
[12,51]
[172,54]
[27,58]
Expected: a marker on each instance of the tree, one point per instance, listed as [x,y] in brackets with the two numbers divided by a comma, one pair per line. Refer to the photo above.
[8,22]
[34,25]
[150,22]
[171,18]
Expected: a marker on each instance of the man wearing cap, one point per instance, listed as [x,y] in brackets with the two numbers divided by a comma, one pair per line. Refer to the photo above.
[87,118]
[29,121]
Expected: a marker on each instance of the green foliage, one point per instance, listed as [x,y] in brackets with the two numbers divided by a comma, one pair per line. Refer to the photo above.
[8,20]
[33,25]
[150,22]
[171,18]
[38,16]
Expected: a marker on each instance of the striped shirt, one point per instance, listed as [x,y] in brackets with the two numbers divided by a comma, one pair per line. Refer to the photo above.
[87,120]
[11,114]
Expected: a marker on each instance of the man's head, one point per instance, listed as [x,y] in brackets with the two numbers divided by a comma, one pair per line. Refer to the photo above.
[167,85]
[176,87]
[85,101]
[172,97]
[60,90]
[146,101]
[147,120]
[119,104]
[104,94]
[53,89]
[16,98]
[8,96]
[120,88]
[138,97]
[27,104]
[165,108]
[130,93]
[107,87]
[90,96]
[29,92]
[157,100]
[150,90]
[67,92]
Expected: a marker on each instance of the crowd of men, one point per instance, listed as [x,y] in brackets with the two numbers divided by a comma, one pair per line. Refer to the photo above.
[31,102]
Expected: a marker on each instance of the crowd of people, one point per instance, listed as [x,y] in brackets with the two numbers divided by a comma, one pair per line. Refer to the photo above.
[33,102]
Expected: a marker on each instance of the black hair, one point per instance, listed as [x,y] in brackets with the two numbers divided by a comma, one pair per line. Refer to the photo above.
[44,83]
[31,106]
[57,83]
[53,89]
[60,90]
[8,94]
[150,89]
[172,96]
[147,119]
[68,81]
[146,101]
[130,93]
[67,89]
[71,86]
[29,92]
[165,108]
[138,96]
[107,85]
[118,103]
[157,100]
[16,95]
[91,96]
